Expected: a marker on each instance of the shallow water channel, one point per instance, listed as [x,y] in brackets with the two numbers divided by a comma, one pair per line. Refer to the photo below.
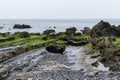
[80,60]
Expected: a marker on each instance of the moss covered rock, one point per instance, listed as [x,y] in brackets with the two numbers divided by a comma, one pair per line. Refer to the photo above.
[24,34]
[71,31]
[49,31]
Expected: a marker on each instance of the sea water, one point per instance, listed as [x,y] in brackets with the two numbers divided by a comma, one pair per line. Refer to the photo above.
[39,25]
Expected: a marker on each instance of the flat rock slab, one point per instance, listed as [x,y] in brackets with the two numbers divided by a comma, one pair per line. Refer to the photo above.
[57,67]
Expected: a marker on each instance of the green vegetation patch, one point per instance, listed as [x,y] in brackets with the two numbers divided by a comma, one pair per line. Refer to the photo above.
[117,42]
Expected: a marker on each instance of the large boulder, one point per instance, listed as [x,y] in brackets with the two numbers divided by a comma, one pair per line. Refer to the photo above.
[71,31]
[19,26]
[49,31]
[104,29]
[56,48]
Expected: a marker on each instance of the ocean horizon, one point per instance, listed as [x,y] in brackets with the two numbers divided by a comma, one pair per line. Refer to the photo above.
[39,25]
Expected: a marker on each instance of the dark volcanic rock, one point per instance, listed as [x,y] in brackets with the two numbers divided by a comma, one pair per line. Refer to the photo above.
[49,31]
[56,48]
[78,34]
[23,26]
[86,30]
[104,29]
[71,31]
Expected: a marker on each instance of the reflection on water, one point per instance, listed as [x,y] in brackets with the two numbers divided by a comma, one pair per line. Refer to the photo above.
[79,60]
[101,67]
[72,58]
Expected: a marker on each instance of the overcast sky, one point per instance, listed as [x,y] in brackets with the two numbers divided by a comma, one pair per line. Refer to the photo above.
[59,9]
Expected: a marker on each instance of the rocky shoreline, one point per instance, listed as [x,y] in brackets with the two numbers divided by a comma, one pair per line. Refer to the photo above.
[59,67]
[102,42]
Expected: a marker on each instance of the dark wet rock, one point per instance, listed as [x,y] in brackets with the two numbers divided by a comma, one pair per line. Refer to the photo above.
[95,64]
[105,61]
[49,31]
[117,28]
[86,30]
[78,34]
[56,48]
[104,29]
[54,27]
[101,29]
[19,26]
[45,38]
[71,31]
